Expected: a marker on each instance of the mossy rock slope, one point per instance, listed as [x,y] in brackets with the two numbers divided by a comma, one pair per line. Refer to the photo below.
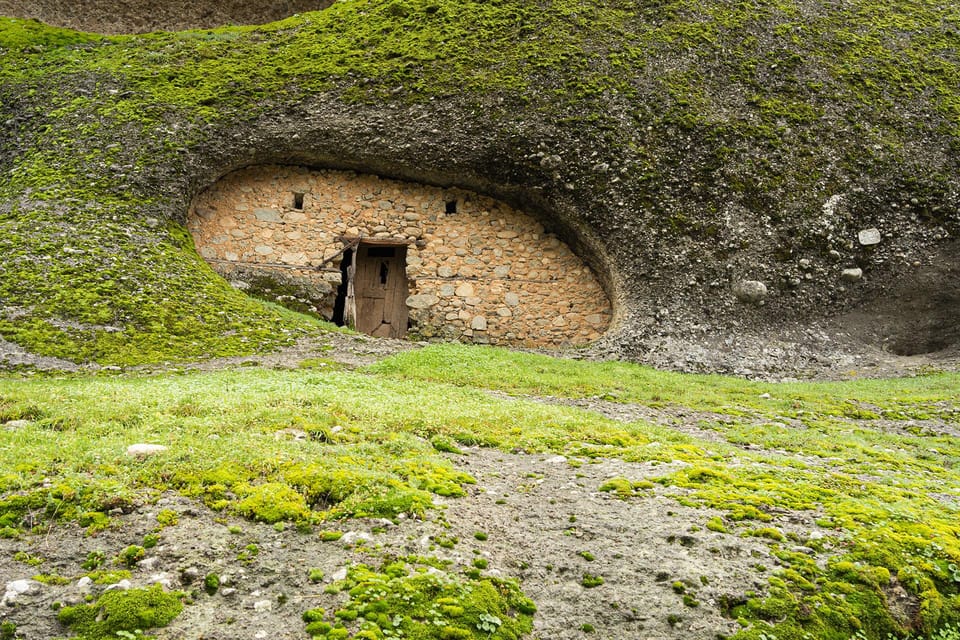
[678,146]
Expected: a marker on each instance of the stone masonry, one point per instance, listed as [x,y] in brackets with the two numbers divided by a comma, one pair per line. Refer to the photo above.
[478,270]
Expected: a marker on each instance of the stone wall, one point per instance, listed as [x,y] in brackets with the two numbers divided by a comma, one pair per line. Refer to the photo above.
[478,270]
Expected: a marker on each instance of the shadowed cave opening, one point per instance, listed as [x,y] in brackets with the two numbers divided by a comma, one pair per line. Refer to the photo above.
[917,314]
[340,303]
[926,338]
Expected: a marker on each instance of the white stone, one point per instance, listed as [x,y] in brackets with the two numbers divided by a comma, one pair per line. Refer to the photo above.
[351,537]
[263,249]
[868,237]
[163,579]
[479,323]
[18,588]
[341,574]
[123,585]
[465,290]
[291,434]
[503,312]
[852,275]
[511,299]
[143,450]
[12,425]
[445,272]
[263,605]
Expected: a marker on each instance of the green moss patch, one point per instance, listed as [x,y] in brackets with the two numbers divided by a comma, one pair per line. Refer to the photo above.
[118,612]
[415,601]
[100,307]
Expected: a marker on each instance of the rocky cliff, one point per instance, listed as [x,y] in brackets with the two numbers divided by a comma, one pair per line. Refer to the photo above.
[732,172]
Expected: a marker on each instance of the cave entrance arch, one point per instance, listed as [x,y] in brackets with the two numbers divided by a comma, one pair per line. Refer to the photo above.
[464,266]
[376,288]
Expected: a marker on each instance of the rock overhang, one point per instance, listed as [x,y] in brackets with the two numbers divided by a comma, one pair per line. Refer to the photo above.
[668,225]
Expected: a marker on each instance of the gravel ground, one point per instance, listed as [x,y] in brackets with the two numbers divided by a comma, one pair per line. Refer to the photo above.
[543,515]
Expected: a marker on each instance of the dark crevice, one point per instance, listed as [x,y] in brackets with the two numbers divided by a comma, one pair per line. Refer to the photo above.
[339,306]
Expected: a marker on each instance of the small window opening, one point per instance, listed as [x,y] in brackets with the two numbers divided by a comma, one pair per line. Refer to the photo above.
[383,272]
[382,252]
[297,200]
[451,206]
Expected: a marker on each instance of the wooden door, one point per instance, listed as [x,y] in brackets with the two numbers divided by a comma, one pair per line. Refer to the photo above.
[380,287]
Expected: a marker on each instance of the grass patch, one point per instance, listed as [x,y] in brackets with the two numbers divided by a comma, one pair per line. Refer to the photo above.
[522,373]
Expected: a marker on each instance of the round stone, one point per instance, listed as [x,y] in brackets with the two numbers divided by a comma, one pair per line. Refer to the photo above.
[852,275]
[750,291]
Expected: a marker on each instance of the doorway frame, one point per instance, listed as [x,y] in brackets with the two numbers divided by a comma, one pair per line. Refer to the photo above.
[353,244]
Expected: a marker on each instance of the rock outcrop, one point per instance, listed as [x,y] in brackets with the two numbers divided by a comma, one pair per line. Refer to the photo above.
[677,151]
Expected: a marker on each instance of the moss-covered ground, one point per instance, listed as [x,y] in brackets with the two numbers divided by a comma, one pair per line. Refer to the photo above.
[875,463]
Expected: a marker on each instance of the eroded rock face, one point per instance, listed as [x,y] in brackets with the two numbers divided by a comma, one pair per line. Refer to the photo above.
[672,179]
[142,16]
